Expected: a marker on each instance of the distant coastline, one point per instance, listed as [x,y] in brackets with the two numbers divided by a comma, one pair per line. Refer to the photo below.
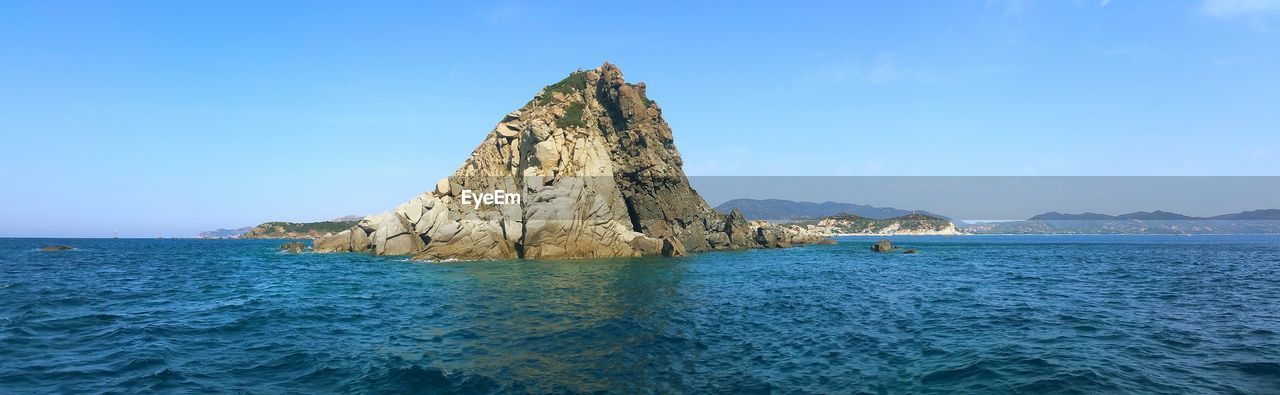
[847,219]
[284,230]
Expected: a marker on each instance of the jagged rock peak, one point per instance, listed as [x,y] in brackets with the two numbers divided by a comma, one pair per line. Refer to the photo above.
[596,172]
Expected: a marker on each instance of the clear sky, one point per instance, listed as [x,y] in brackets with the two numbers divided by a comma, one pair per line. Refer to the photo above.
[167,118]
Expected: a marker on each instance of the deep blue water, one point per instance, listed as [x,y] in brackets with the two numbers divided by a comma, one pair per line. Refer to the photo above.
[1031,314]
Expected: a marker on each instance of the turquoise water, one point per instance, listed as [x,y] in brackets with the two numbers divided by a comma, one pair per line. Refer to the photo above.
[978,314]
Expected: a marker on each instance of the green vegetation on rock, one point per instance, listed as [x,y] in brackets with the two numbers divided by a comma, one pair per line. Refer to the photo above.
[907,224]
[575,81]
[297,230]
[572,116]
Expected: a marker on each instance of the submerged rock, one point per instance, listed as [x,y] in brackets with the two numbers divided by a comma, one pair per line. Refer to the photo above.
[55,248]
[910,251]
[293,247]
[883,246]
[596,174]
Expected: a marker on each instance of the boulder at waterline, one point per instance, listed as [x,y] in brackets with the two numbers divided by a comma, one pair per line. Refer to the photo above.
[882,246]
[293,247]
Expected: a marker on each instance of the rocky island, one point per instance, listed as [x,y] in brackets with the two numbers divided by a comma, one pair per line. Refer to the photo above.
[284,229]
[910,224]
[597,175]
[297,230]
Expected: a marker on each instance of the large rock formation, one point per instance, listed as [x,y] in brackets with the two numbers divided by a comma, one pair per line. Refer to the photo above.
[597,174]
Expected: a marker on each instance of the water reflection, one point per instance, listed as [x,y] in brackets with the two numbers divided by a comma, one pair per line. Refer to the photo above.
[516,318]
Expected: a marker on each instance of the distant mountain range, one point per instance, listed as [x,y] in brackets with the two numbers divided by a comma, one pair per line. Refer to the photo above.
[1142,222]
[847,218]
[1253,215]
[779,209]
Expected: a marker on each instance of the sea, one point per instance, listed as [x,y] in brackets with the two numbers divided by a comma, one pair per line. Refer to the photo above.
[967,314]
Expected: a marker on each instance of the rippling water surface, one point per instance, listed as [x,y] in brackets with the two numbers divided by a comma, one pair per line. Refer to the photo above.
[971,314]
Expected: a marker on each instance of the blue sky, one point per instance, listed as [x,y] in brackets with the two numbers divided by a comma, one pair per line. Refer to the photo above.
[168,118]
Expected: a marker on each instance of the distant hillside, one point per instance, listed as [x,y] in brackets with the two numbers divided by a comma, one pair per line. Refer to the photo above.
[283,230]
[1156,216]
[1252,215]
[910,224]
[1054,215]
[779,209]
[1260,215]
[297,230]
[1142,222]
[224,233]
[1127,226]
[1090,216]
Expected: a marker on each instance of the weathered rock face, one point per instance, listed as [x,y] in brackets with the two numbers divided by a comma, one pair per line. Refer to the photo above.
[597,173]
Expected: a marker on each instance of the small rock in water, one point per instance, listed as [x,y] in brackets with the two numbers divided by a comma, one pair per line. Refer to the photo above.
[910,251]
[882,246]
[293,247]
[54,248]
